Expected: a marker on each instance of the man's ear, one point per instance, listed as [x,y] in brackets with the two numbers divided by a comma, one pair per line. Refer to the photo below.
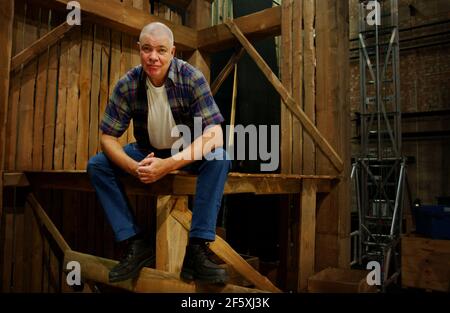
[138,44]
[173,51]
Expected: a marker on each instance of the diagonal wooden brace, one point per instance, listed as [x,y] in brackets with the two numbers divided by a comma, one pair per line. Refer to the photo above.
[308,126]
[39,46]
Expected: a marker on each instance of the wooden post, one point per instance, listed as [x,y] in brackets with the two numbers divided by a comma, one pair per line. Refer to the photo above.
[199,17]
[171,237]
[333,120]
[6,25]
[286,254]
[307,236]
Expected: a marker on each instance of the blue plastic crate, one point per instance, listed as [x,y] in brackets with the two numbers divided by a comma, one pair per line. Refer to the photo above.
[433,221]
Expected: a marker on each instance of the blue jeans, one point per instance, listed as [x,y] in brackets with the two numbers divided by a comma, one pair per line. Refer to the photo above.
[212,175]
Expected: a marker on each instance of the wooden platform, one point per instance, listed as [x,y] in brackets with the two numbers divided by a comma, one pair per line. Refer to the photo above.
[174,218]
[175,183]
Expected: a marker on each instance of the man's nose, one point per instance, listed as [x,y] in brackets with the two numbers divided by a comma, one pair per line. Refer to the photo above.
[153,56]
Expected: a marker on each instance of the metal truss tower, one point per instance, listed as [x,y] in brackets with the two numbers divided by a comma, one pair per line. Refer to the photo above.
[379,171]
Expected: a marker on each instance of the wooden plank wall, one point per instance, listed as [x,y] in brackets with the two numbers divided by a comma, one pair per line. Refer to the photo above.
[55,104]
[57,99]
[56,126]
[314,68]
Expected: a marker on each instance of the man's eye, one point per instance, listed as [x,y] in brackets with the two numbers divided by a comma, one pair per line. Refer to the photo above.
[162,51]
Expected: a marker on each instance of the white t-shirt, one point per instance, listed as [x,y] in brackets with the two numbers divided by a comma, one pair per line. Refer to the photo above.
[160,118]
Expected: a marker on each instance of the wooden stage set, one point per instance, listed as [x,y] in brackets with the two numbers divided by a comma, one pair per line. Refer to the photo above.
[57,81]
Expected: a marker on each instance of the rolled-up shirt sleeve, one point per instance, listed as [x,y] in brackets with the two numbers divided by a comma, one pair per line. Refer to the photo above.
[117,115]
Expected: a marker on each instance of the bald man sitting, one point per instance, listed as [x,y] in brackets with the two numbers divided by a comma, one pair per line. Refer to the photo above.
[161,93]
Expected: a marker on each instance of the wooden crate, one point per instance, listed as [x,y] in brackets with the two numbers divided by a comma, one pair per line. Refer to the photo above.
[425,263]
[337,280]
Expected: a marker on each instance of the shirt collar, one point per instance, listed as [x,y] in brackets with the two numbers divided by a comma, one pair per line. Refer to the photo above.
[172,68]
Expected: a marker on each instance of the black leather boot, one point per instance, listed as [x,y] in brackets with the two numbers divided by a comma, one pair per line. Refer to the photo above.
[198,265]
[138,254]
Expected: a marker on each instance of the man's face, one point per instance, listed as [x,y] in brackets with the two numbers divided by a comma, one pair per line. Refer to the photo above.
[156,54]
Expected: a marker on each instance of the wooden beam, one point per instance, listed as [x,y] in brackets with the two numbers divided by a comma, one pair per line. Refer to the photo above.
[15,180]
[127,19]
[312,130]
[215,86]
[47,223]
[182,183]
[256,26]
[6,36]
[227,254]
[39,46]
[149,280]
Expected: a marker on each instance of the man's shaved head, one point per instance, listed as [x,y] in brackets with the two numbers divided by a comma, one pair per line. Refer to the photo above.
[157,29]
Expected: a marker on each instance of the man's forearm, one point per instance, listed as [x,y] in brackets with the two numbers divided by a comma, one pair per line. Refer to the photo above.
[114,151]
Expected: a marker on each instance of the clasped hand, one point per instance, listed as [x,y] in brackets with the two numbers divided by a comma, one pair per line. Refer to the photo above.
[151,169]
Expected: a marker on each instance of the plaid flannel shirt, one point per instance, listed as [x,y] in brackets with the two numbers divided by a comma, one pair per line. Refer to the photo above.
[188,94]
